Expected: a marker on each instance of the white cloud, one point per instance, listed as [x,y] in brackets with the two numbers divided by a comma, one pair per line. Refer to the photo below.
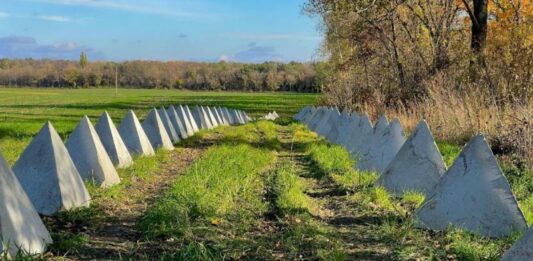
[54,18]
[3,15]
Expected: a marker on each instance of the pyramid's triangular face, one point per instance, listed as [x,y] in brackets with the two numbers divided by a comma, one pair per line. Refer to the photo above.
[90,156]
[418,166]
[306,117]
[155,131]
[383,149]
[134,137]
[48,175]
[521,250]
[186,120]
[217,116]
[348,128]
[358,144]
[473,195]
[234,116]
[180,123]
[222,117]
[21,227]
[194,123]
[112,141]
[212,117]
[197,116]
[228,116]
[317,118]
[205,118]
[169,127]
[381,125]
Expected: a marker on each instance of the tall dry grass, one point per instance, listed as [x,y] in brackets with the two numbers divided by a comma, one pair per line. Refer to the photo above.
[458,115]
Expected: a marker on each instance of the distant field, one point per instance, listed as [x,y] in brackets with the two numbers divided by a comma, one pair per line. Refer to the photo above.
[23,111]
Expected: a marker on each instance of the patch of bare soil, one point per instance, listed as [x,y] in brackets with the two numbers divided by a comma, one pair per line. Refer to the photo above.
[115,236]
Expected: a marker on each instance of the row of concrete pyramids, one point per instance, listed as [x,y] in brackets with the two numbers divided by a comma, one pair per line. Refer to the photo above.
[48,177]
[271,116]
[472,194]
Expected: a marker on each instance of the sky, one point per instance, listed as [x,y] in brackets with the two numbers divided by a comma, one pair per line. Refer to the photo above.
[249,31]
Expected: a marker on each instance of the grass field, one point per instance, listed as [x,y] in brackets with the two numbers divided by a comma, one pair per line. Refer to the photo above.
[24,111]
[261,191]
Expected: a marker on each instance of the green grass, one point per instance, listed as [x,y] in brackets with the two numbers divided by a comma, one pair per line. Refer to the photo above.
[224,184]
[289,191]
[330,159]
[23,111]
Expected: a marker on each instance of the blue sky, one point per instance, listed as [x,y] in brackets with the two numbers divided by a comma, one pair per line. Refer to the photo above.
[194,30]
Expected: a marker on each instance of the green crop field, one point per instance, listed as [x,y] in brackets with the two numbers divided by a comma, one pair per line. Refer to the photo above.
[23,111]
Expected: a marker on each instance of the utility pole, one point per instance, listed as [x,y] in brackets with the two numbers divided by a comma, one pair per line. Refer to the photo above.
[116,80]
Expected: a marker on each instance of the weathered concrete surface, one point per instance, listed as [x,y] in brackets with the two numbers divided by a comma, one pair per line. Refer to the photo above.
[300,115]
[338,130]
[360,139]
[186,122]
[346,126]
[381,125]
[205,117]
[474,195]
[181,125]
[317,118]
[384,148]
[155,131]
[194,123]
[48,175]
[134,137]
[113,143]
[169,127]
[198,117]
[228,116]
[521,250]
[211,116]
[328,129]
[90,156]
[418,166]
[217,116]
[235,117]
[222,116]
[306,117]
[21,228]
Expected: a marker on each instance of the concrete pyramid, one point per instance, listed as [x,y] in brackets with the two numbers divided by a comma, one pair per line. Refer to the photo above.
[134,137]
[359,139]
[317,118]
[222,116]
[90,156]
[384,148]
[48,175]
[228,116]
[21,228]
[211,116]
[113,143]
[381,125]
[300,115]
[329,126]
[473,195]
[217,116]
[521,250]
[169,127]
[342,124]
[235,116]
[418,166]
[181,124]
[197,116]
[155,131]
[186,122]
[194,123]
[308,115]
[201,117]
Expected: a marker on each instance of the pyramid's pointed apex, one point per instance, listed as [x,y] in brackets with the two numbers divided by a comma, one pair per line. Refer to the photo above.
[134,137]
[418,165]
[474,195]
[47,173]
[89,155]
[112,142]
[156,132]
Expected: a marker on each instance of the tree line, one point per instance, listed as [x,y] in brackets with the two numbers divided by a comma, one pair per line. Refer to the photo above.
[385,52]
[268,76]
